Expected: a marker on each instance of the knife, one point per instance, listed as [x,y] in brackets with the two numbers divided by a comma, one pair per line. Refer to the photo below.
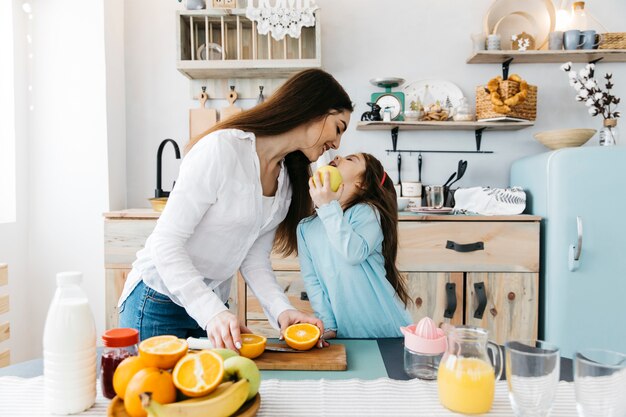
[199,344]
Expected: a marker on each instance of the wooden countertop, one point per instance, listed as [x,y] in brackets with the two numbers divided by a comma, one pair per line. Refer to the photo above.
[149,214]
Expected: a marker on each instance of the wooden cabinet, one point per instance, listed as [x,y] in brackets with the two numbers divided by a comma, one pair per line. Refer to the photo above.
[472,270]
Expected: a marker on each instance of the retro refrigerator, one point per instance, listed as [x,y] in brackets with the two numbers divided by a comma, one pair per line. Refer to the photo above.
[581,195]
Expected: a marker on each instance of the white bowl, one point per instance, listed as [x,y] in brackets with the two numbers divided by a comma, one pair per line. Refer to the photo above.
[403,202]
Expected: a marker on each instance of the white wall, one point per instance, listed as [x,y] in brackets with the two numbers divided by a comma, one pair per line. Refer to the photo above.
[412,39]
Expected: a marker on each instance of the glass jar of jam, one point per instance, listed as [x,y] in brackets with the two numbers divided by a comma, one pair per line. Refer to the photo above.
[119,344]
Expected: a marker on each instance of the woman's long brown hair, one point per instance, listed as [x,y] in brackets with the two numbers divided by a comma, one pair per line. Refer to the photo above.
[381,195]
[307,96]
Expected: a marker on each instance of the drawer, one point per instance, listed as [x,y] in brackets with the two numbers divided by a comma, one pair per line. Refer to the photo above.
[506,246]
[123,239]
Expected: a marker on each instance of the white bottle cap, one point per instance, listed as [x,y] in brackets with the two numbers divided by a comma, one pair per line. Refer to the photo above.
[65,279]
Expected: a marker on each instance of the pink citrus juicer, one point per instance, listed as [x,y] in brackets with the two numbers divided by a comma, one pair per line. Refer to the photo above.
[424,345]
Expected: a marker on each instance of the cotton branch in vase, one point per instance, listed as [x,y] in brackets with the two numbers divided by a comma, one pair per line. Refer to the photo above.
[599,101]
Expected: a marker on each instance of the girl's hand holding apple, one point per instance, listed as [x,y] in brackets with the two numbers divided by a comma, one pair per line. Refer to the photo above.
[325,185]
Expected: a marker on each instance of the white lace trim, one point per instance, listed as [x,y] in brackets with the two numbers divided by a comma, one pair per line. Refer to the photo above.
[287,17]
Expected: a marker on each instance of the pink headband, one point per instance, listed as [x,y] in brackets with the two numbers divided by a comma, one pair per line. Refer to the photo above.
[384,178]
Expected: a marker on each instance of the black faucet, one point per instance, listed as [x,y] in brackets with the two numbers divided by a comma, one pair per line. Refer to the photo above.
[158,193]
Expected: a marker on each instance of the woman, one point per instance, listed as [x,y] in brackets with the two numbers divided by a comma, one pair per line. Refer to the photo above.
[242,189]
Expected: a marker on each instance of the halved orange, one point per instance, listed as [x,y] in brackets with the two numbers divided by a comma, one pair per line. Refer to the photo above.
[302,336]
[198,374]
[162,351]
[252,345]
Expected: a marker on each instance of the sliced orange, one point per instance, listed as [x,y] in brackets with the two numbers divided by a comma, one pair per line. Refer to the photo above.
[302,336]
[252,345]
[162,351]
[198,374]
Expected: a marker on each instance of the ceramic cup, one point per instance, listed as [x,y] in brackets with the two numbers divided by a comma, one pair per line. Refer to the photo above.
[493,42]
[573,39]
[478,41]
[555,41]
[589,39]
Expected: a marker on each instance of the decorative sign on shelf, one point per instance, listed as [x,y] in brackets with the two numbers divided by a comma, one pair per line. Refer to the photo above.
[286,17]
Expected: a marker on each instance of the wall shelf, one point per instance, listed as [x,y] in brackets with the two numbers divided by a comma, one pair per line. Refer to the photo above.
[237,50]
[477,127]
[498,57]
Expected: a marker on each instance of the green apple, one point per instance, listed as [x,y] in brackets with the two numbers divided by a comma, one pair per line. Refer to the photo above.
[238,367]
[225,353]
[335,176]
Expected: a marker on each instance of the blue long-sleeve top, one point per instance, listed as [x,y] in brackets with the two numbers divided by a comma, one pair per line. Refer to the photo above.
[344,273]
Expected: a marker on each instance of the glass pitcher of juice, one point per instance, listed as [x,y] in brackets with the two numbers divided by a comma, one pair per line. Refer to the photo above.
[466,378]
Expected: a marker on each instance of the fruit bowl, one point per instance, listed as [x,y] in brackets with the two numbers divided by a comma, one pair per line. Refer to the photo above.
[564,138]
[158,204]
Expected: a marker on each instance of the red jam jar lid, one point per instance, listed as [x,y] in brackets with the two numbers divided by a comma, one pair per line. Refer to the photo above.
[121,337]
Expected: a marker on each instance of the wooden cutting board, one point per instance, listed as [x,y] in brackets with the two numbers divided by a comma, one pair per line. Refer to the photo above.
[201,119]
[230,110]
[331,358]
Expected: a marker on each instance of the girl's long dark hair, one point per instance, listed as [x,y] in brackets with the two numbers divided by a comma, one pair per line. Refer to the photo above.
[307,96]
[381,195]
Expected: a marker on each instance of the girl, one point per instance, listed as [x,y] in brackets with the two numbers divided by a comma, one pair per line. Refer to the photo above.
[242,189]
[347,252]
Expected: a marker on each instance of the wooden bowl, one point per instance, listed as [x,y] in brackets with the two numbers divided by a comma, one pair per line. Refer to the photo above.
[564,138]
[158,204]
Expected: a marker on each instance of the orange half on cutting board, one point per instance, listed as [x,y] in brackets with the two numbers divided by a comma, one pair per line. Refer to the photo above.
[302,336]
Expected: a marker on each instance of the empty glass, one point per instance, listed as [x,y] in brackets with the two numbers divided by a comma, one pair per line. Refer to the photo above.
[532,374]
[600,383]
[436,196]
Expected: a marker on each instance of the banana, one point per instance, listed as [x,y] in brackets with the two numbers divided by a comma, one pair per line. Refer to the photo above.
[223,402]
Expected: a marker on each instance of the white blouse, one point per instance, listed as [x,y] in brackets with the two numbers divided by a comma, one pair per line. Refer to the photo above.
[212,225]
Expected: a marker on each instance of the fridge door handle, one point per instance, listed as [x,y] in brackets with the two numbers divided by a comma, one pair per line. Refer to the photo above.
[576,251]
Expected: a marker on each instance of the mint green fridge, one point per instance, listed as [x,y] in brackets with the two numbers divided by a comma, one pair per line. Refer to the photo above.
[581,195]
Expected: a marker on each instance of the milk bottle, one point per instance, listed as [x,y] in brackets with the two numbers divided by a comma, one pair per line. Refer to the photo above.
[69,349]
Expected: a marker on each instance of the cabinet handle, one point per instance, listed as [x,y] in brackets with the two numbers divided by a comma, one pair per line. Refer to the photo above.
[479,287]
[304,296]
[469,247]
[451,300]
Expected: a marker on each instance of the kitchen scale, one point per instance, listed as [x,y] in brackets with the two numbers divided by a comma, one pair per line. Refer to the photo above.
[391,100]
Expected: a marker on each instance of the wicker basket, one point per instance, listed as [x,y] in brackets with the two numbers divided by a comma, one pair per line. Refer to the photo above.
[526,110]
[614,40]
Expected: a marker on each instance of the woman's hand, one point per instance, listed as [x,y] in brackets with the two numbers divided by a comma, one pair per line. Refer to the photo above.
[322,193]
[289,317]
[224,331]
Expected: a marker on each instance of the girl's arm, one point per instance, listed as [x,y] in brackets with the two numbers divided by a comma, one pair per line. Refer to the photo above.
[318,298]
[356,238]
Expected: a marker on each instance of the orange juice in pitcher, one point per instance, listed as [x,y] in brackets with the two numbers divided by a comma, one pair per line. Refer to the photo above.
[466,377]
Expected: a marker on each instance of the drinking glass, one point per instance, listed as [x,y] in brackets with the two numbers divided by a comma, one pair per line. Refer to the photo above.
[532,375]
[600,383]
[436,196]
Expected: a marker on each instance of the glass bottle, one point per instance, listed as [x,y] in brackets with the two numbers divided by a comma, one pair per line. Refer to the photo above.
[119,344]
[466,378]
[609,135]
[579,17]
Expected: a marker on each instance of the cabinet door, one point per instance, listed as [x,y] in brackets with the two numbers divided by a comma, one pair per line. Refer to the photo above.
[293,286]
[506,304]
[114,284]
[438,295]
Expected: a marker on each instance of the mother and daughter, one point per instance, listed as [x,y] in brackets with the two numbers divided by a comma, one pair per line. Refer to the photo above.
[245,188]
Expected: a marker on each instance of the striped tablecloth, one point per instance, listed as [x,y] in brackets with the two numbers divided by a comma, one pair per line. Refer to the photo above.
[353,397]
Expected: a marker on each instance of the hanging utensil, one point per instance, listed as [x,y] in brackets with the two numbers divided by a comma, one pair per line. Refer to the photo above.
[399,169]
[419,168]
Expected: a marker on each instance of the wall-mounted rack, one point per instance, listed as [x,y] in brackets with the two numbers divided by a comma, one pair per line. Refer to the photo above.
[546,57]
[477,127]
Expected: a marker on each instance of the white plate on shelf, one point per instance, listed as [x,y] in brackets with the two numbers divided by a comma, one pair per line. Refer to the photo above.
[438,89]
[432,210]
[542,11]
[514,24]
[215,52]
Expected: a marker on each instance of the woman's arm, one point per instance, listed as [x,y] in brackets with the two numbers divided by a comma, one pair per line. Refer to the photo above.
[318,298]
[200,177]
[356,238]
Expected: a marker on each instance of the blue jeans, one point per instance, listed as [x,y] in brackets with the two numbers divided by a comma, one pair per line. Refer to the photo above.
[154,314]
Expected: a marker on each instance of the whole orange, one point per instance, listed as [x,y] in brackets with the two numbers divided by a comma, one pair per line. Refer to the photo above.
[153,380]
[124,372]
